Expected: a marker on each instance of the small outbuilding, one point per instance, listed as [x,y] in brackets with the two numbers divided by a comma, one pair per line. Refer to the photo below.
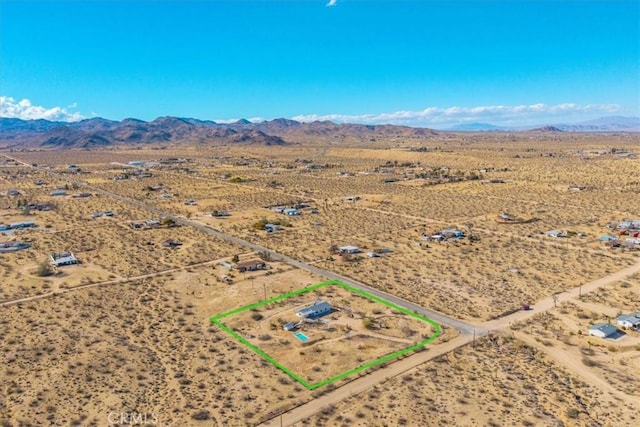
[289,326]
[270,228]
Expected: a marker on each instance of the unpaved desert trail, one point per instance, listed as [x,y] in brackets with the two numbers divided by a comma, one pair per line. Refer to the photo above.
[548,303]
[112,282]
[364,383]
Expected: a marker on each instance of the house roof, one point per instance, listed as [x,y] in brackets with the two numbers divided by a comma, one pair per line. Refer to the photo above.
[631,318]
[319,306]
[249,263]
[606,328]
[349,248]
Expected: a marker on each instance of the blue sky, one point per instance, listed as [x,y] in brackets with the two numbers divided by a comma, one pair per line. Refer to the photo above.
[424,63]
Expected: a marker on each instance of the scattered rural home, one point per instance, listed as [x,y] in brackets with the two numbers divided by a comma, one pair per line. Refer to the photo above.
[437,237]
[632,243]
[270,228]
[603,330]
[13,246]
[12,192]
[81,195]
[220,214]
[373,254]
[152,223]
[63,258]
[291,212]
[318,309]
[22,224]
[631,320]
[278,209]
[577,188]
[349,249]
[451,233]
[254,265]
[226,265]
[4,227]
[120,177]
[629,225]
[40,182]
[58,193]
[136,163]
[352,198]
[100,214]
[38,207]
[607,238]
[507,217]
[137,225]
[171,243]
[556,233]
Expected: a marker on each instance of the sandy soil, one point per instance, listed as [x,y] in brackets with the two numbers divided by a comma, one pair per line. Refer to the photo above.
[139,338]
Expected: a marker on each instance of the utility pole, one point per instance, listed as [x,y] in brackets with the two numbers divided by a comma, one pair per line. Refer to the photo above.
[264,285]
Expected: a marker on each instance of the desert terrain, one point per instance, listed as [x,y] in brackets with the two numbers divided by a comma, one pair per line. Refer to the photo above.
[128,330]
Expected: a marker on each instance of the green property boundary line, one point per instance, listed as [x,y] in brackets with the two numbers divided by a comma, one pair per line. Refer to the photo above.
[216,320]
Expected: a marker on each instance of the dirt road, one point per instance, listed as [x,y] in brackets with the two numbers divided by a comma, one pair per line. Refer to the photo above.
[364,383]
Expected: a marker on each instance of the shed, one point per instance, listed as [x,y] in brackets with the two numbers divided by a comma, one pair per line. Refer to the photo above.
[270,228]
[289,326]
[318,309]
[291,211]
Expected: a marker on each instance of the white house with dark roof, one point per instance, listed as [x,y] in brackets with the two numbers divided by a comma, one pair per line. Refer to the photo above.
[631,320]
[317,309]
[603,330]
[348,249]
[63,258]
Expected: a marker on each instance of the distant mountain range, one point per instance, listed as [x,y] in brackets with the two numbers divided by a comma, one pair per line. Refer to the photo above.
[102,132]
[602,124]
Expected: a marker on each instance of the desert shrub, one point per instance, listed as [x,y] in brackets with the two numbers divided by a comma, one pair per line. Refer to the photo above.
[573,413]
[44,269]
[201,416]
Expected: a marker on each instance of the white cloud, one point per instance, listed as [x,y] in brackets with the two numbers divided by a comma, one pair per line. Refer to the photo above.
[515,115]
[332,3]
[9,108]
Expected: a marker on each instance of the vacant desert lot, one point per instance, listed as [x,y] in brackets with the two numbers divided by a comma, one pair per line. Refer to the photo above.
[502,381]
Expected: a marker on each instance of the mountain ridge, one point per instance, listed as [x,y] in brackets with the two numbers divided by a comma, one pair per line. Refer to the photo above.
[98,131]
